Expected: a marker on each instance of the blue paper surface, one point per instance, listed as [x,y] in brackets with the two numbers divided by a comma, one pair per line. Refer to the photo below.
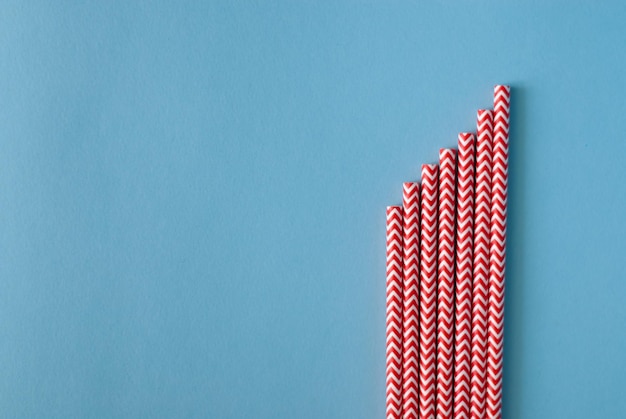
[192,200]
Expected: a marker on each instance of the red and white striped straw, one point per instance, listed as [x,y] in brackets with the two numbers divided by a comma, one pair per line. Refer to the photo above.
[497,249]
[478,381]
[428,291]
[394,312]
[445,282]
[463,306]
[410,342]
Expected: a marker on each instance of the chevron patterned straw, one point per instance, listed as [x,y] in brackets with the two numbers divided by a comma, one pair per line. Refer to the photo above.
[463,306]
[428,291]
[410,343]
[497,248]
[445,281]
[478,380]
[394,312]
[446,253]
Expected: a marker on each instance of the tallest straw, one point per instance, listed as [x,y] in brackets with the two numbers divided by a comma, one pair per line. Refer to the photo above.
[497,247]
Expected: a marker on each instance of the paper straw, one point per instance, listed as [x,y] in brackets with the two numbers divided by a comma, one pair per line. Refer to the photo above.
[394,312]
[410,342]
[497,248]
[428,291]
[445,281]
[463,306]
[478,380]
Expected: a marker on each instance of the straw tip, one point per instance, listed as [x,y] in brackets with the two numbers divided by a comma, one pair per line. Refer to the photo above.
[393,208]
[429,171]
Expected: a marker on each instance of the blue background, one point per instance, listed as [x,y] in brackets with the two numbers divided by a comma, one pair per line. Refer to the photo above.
[192,200]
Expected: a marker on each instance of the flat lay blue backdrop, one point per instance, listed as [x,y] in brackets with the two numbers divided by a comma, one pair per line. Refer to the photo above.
[192,200]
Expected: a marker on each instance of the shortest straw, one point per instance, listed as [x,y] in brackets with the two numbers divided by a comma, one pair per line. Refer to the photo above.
[394,312]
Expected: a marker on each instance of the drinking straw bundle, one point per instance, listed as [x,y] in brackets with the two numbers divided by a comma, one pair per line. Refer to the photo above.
[446,250]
